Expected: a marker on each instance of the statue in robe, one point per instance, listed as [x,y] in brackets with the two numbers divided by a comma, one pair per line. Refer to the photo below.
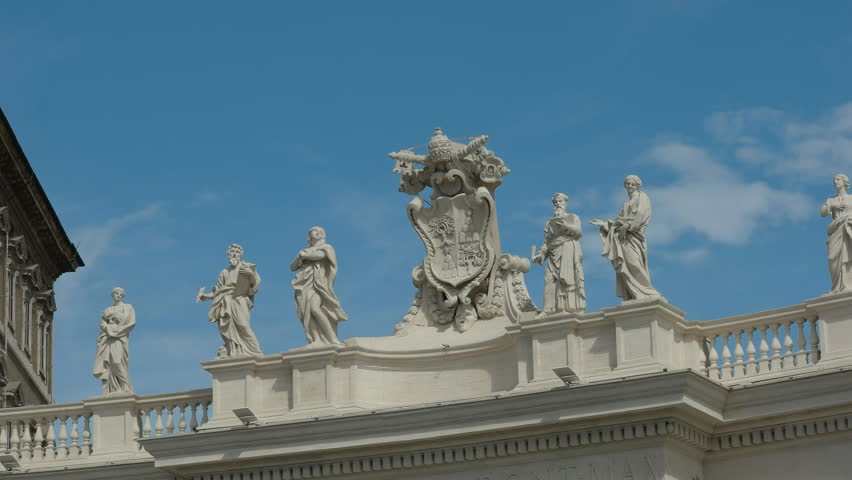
[624,244]
[839,235]
[233,299]
[564,289]
[112,365]
[316,304]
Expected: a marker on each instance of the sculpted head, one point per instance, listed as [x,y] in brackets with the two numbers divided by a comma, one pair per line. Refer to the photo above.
[560,201]
[841,181]
[632,183]
[235,254]
[316,235]
[117,294]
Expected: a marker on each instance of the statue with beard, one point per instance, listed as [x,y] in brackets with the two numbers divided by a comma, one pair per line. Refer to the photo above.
[233,299]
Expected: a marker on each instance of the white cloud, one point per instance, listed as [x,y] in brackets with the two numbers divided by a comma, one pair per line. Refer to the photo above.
[712,200]
[205,198]
[689,256]
[94,241]
[805,150]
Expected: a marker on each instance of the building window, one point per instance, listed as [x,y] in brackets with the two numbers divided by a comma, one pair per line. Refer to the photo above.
[45,342]
[28,323]
[39,343]
[13,277]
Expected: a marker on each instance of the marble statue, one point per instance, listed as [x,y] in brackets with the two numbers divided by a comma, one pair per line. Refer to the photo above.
[464,276]
[316,304]
[624,244]
[839,235]
[563,277]
[112,355]
[233,299]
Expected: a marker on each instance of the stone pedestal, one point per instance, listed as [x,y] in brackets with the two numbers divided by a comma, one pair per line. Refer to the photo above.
[834,313]
[235,385]
[644,336]
[114,424]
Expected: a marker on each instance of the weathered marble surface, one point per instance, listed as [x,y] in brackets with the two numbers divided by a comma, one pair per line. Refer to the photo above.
[233,299]
[624,244]
[564,280]
[112,356]
[464,277]
[317,306]
[839,234]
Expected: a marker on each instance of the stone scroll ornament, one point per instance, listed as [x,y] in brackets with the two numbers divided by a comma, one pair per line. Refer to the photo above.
[464,276]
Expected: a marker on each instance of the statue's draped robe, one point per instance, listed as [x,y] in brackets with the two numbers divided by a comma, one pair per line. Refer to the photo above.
[316,280]
[233,299]
[840,243]
[563,278]
[111,357]
[629,257]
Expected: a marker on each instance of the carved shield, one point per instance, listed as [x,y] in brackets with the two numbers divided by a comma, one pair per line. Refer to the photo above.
[457,234]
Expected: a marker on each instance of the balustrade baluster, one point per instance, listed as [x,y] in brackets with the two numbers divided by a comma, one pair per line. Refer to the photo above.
[86,448]
[763,364]
[193,422]
[713,368]
[204,406]
[801,353]
[182,421]
[137,415]
[146,423]
[775,360]
[15,440]
[4,438]
[702,358]
[170,424]
[158,427]
[787,361]
[751,350]
[726,358]
[38,441]
[739,366]
[74,446]
[813,342]
[63,437]
[26,441]
[50,448]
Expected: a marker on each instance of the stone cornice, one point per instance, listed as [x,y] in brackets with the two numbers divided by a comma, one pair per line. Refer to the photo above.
[681,394]
[128,470]
[494,450]
[30,200]
[806,393]
[731,442]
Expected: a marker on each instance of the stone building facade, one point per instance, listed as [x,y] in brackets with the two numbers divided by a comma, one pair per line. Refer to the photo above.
[35,251]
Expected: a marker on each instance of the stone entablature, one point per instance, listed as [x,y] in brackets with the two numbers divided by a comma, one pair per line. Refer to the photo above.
[485,402]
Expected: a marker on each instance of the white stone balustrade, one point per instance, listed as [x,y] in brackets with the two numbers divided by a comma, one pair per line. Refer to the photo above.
[760,344]
[46,433]
[172,414]
[98,429]
[496,358]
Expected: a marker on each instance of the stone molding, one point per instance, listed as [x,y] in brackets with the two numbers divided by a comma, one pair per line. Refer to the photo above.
[781,432]
[671,428]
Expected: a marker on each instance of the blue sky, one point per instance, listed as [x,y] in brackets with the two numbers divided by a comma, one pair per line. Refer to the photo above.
[164,131]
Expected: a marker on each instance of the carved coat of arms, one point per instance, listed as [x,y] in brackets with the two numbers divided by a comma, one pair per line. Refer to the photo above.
[455,231]
[464,277]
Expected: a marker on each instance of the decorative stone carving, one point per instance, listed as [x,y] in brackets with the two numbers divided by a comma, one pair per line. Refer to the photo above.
[564,289]
[839,235]
[460,280]
[316,304]
[233,299]
[112,355]
[624,244]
